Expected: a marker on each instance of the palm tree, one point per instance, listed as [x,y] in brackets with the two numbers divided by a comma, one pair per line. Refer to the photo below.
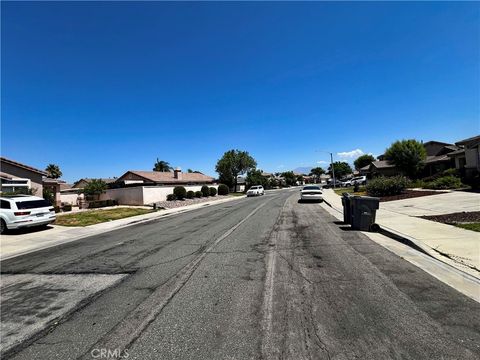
[161,165]
[53,171]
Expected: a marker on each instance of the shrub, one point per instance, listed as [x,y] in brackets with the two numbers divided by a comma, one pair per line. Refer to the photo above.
[385,186]
[451,172]
[190,194]
[445,182]
[57,209]
[416,184]
[111,202]
[205,191]
[180,192]
[212,191]
[198,194]
[223,189]
[171,197]
[67,207]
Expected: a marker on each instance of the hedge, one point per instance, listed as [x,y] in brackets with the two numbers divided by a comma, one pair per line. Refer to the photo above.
[212,191]
[180,192]
[386,186]
[205,191]
[190,194]
[198,194]
[223,189]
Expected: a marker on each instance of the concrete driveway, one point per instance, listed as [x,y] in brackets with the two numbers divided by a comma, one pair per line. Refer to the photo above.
[455,201]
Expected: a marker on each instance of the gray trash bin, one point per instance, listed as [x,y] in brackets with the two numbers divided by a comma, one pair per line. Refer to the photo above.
[363,213]
[347,208]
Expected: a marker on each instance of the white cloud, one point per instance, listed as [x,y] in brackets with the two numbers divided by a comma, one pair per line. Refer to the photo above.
[351,154]
[322,162]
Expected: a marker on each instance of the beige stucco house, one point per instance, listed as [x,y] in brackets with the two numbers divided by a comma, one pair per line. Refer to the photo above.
[15,176]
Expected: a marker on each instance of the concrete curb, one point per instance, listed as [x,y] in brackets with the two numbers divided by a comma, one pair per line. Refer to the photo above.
[101,228]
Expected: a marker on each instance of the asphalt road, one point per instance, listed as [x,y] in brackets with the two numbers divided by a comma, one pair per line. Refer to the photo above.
[257,278]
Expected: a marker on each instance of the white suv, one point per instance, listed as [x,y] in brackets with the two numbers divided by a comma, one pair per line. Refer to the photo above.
[18,211]
[256,191]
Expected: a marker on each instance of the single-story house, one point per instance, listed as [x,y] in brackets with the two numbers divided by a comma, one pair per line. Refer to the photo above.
[467,156]
[176,177]
[437,160]
[379,168]
[15,176]
[80,184]
[150,187]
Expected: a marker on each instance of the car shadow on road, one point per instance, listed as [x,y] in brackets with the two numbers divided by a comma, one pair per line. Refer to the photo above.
[27,230]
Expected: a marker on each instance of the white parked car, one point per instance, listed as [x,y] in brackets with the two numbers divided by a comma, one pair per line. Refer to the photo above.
[18,211]
[360,180]
[311,193]
[256,190]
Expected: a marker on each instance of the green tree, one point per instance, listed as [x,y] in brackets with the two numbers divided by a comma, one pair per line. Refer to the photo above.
[232,164]
[341,169]
[95,187]
[363,160]
[290,178]
[408,156]
[317,172]
[254,177]
[161,165]
[53,171]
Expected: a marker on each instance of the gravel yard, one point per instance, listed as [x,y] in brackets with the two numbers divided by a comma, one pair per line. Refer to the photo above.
[180,203]
[459,217]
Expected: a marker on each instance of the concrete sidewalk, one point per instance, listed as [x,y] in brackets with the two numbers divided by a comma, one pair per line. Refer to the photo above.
[455,246]
[12,245]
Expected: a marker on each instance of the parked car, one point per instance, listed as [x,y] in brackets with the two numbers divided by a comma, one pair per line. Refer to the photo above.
[360,180]
[256,190]
[311,193]
[19,211]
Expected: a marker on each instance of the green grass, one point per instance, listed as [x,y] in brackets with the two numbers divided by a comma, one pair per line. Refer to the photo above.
[470,226]
[340,191]
[236,194]
[98,216]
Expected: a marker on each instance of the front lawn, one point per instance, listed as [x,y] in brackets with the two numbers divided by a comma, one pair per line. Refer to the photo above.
[340,191]
[236,194]
[470,226]
[98,216]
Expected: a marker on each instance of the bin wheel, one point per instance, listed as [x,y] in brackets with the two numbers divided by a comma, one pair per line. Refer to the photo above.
[374,228]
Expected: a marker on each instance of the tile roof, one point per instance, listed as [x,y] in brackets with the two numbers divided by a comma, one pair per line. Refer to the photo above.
[168,177]
[48,180]
[457,152]
[473,139]
[23,166]
[382,164]
[434,159]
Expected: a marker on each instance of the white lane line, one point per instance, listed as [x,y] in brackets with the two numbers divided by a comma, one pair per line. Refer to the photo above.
[131,327]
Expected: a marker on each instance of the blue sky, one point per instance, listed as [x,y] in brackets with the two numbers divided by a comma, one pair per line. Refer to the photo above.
[101,88]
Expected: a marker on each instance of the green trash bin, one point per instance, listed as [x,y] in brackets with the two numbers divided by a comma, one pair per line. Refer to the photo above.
[364,209]
[347,208]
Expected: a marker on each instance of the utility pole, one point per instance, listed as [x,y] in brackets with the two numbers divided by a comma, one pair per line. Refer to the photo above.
[331,165]
[333,171]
